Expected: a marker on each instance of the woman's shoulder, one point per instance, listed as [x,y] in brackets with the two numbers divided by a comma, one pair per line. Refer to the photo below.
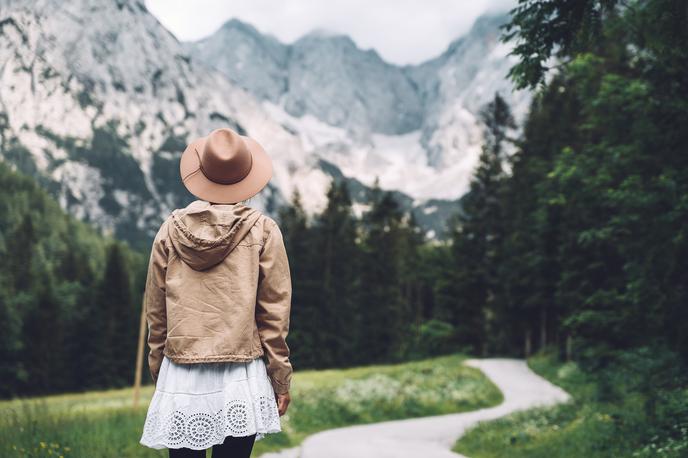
[162,232]
[270,223]
[163,235]
[266,225]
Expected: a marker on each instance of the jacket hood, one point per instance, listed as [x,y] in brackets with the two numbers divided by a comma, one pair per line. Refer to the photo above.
[204,234]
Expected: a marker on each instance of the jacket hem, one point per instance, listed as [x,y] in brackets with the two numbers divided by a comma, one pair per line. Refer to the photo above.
[229,357]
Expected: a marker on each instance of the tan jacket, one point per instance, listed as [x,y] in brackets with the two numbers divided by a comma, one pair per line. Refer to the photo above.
[219,289]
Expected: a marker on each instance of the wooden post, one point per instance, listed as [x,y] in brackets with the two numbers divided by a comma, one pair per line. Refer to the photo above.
[139,356]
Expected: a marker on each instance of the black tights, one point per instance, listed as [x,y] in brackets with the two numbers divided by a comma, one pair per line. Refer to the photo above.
[232,447]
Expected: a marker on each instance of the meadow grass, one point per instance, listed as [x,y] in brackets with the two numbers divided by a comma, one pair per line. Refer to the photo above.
[104,423]
[583,427]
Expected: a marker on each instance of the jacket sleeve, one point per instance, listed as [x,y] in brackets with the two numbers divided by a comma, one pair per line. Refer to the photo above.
[154,300]
[273,306]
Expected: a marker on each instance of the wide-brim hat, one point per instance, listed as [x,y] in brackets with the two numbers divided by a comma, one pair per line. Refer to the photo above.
[225,167]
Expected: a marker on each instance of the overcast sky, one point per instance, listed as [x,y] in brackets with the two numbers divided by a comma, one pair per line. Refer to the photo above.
[402,31]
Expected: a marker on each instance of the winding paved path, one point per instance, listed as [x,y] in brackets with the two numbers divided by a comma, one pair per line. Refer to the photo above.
[432,437]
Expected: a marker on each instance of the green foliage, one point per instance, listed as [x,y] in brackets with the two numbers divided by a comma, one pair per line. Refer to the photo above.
[18,155]
[433,337]
[383,311]
[583,244]
[559,28]
[588,425]
[54,264]
[470,285]
[333,238]
[362,287]
[594,256]
[104,424]
[303,332]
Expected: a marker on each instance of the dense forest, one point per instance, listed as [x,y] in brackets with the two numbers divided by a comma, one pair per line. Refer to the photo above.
[69,297]
[578,239]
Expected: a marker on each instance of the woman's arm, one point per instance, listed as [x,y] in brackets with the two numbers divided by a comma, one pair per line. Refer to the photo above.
[273,306]
[154,301]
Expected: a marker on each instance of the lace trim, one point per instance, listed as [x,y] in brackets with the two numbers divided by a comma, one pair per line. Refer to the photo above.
[202,430]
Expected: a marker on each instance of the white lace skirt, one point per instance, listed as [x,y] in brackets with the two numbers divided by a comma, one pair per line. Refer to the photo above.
[197,405]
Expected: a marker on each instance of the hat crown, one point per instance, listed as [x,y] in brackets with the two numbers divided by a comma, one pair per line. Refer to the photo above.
[225,158]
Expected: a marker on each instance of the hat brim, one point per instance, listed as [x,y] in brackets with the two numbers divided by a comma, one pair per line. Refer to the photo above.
[202,187]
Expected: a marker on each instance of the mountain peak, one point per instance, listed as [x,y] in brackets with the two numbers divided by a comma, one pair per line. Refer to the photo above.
[484,26]
[238,24]
[322,34]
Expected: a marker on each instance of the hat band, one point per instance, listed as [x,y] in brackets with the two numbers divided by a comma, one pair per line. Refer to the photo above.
[223,181]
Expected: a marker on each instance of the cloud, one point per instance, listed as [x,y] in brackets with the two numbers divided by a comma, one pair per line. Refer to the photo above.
[401,31]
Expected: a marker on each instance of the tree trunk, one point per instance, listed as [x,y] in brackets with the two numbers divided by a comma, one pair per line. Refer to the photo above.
[527,343]
[543,326]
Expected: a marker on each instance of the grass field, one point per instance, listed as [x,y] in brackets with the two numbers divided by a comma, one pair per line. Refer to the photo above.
[588,426]
[104,424]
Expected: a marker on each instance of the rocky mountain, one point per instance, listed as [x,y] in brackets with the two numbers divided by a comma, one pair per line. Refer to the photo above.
[415,127]
[98,100]
[321,74]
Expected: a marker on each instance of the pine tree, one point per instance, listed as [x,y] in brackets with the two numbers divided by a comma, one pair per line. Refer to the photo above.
[122,318]
[43,335]
[334,238]
[413,270]
[478,236]
[383,312]
[298,242]
[530,268]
